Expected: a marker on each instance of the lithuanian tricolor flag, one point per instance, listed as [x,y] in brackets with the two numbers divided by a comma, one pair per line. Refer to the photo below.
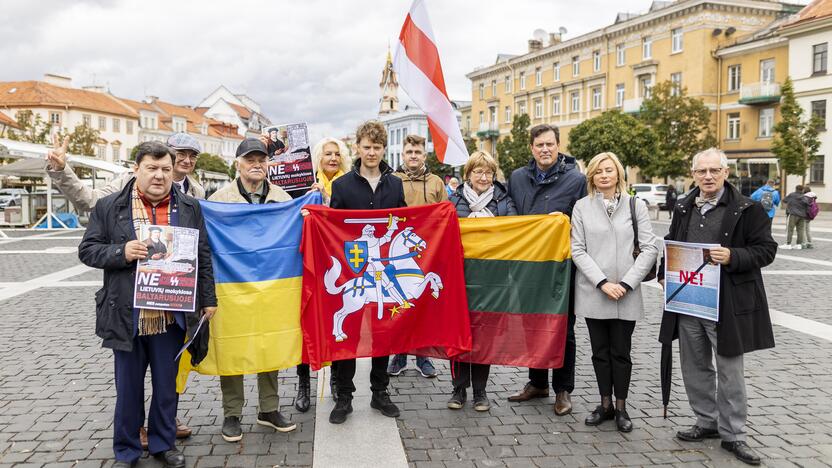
[518,272]
[258,271]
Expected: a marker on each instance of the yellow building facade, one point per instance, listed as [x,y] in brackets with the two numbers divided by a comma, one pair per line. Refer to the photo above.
[564,82]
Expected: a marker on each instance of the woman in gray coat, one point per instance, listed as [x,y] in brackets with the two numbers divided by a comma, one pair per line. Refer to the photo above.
[608,293]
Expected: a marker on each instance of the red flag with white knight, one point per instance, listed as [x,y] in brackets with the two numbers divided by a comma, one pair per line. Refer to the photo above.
[381,282]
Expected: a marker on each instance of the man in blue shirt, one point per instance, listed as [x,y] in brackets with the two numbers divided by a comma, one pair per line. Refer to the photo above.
[769,197]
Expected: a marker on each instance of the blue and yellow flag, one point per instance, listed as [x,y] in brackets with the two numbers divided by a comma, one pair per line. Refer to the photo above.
[258,272]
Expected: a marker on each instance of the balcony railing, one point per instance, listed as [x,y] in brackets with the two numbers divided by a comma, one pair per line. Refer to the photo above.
[488,130]
[632,106]
[759,93]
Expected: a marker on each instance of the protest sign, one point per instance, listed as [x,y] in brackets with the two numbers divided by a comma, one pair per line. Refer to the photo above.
[691,280]
[290,159]
[166,279]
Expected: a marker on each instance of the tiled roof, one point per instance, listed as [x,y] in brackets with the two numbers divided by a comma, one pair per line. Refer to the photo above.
[7,121]
[816,10]
[39,93]
[194,118]
[242,111]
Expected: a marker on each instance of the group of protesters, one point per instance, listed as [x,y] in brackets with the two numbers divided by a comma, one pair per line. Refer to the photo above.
[613,249]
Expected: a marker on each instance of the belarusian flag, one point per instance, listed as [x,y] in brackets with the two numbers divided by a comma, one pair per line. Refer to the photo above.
[518,272]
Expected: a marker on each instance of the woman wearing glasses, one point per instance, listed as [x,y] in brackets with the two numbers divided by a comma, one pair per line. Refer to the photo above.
[479,197]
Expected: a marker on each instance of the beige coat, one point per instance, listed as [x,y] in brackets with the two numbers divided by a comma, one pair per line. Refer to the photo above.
[602,249]
[422,190]
[84,198]
[231,194]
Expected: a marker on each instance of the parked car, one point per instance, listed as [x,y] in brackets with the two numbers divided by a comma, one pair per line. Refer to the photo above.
[10,196]
[652,194]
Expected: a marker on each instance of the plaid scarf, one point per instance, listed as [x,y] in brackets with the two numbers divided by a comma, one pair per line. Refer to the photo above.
[151,322]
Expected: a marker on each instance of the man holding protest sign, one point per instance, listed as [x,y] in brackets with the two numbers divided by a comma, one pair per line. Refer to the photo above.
[716,213]
[251,187]
[142,337]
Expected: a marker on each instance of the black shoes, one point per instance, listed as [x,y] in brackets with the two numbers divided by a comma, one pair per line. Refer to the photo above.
[124,464]
[171,458]
[697,434]
[622,421]
[231,430]
[481,402]
[599,415]
[742,451]
[381,401]
[343,407]
[457,400]
[302,400]
[276,421]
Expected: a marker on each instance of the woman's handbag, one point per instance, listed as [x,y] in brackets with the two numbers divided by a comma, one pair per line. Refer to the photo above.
[651,275]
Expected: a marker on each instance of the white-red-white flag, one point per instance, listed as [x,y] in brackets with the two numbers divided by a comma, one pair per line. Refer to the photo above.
[420,75]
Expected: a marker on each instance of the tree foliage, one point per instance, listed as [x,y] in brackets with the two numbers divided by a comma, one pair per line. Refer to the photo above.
[211,162]
[632,141]
[436,167]
[795,140]
[514,150]
[682,126]
[31,128]
[82,140]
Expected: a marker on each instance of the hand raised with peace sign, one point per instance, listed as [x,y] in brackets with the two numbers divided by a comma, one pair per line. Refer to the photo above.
[57,155]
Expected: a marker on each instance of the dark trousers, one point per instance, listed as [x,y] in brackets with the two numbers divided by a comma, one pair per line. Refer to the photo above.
[611,344]
[563,379]
[157,351]
[303,371]
[344,371]
[467,374]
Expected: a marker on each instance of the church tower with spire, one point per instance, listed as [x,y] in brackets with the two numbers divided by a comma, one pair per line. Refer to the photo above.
[389,102]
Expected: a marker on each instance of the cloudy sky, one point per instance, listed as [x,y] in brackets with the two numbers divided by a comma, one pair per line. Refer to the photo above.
[302,60]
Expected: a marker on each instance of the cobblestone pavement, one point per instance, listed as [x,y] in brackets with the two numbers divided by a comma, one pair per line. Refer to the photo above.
[57,394]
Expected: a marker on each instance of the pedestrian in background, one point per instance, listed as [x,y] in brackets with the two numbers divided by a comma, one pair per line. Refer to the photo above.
[796,209]
[812,210]
[608,283]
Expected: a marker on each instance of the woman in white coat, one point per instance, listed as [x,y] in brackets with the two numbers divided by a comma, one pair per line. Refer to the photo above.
[608,292]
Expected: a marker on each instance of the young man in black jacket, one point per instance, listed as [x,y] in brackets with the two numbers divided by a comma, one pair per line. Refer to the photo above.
[142,337]
[370,185]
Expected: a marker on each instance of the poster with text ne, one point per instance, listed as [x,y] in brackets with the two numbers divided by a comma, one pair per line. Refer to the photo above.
[290,158]
[691,280]
[166,279]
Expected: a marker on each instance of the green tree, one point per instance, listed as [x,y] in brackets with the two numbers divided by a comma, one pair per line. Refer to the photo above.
[632,141]
[82,140]
[682,126]
[514,150]
[232,171]
[211,162]
[31,128]
[795,141]
[436,167]
[133,153]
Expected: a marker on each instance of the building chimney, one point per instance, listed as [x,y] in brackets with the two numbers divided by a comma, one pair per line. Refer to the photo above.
[535,45]
[58,80]
[554,38]
[151,99]
[95,88]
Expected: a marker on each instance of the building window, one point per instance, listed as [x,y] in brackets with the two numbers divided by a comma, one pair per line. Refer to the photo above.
[493,88]
[596,60]
[508,83]
[620,54]
[129,127]
[819,59]
[619,95]
[596,98]
[522,80]
[576,101]
[646,48]
[116,125]
[819,110]
[521,108]
[766,122]
[556,71]
[482,120]
[816,170]
[87,119]
[556,104]
[767,71]
[676,81]
[116,152]
[734,74]
[734,126]
[508,114]
[646,85]
[538,108]
[676,40]
[482,90]
[538,76]
[491,110]
[576,65]
[101,151]
[102,123]
[55,119]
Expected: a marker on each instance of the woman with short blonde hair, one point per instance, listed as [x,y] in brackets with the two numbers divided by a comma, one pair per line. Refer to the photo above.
[331,159]
[592,167]
[479,159]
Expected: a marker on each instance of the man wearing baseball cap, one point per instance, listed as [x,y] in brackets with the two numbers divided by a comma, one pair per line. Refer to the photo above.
[250,187]
[185,147]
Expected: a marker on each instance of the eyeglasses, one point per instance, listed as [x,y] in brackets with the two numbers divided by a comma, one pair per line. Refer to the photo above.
[184,155]
[713,171]
[477,173]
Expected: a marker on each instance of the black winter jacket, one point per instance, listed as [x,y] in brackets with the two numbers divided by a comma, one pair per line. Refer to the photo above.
[351,191]
[744,322]
[563,186]
[500,205]
[109,229]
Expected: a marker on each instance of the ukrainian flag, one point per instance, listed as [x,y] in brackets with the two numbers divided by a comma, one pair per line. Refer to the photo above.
[258,271]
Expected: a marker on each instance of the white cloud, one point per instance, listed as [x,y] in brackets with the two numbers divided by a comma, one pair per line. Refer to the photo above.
[316,61]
